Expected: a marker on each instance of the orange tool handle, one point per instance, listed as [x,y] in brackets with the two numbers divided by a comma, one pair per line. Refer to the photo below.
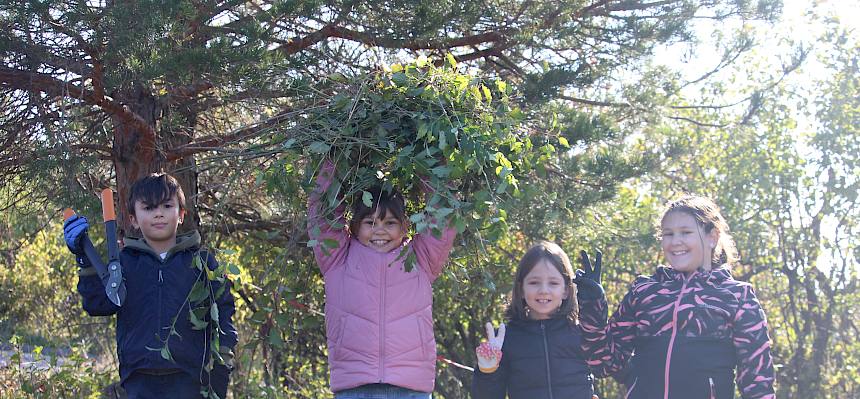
[107,205]
[68,213]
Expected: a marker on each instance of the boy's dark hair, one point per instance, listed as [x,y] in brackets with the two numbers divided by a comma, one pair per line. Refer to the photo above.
[552,253]
[154,190]
[383,202]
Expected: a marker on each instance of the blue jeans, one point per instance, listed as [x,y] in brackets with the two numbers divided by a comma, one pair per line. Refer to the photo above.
[381,391]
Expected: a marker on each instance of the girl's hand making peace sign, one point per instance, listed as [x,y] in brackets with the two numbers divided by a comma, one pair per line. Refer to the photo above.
[490,351]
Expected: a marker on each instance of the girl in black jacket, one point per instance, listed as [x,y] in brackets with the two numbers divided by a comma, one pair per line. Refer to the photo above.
[541,343]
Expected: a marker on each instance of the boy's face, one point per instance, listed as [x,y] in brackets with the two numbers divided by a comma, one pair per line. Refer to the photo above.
[381,234]
[158,222]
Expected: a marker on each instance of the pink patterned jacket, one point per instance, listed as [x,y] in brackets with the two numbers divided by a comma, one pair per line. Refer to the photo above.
[689,334]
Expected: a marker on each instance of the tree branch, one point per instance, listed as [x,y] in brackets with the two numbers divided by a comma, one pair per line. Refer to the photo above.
[331,31]
[207,143]
[42,83]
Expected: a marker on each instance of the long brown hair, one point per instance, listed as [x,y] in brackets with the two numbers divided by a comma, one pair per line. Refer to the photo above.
[707,215]
[556,256]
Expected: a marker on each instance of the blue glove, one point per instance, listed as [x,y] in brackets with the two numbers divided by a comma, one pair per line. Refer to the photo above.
[73,229]
[588,278]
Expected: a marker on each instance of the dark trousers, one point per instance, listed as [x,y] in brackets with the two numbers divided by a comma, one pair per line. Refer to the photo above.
[170,386]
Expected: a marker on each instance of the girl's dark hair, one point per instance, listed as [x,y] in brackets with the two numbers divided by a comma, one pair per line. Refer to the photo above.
[155,189]
[383,202]
[556,256]
[708,217]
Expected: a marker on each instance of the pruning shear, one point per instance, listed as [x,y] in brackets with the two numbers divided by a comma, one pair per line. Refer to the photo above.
[110,274]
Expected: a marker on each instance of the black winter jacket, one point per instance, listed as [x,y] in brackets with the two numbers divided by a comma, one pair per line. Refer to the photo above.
[156,293]
[541,359]
[692,331]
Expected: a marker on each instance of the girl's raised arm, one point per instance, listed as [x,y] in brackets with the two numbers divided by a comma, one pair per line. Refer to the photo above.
[332,241]
[608,345]
[431,251]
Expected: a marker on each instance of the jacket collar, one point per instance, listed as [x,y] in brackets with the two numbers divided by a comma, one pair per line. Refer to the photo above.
[534,325]
[719,274]
[184,241]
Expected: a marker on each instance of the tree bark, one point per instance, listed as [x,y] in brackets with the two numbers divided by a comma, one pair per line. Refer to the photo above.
[138,153]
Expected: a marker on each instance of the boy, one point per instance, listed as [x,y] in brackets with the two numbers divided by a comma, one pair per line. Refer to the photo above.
[159,274]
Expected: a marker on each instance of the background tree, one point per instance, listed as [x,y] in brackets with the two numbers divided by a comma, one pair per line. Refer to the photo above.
[786,179]
[104,92]
[98,93]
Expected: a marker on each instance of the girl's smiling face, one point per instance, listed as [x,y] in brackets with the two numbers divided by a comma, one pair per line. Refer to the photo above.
[685,245]
[381,234]
[544,290]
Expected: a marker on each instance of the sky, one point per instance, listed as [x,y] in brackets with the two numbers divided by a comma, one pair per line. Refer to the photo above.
[774,44]
[773,41]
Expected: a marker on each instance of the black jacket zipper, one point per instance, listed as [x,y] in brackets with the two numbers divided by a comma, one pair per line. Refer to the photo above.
[546,358]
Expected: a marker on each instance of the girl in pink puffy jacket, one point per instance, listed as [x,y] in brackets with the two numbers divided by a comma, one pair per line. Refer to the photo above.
[378,312]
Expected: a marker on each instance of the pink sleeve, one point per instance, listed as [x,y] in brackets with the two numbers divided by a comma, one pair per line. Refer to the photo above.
[333,242]
[608,345]
[756,375]
[432,252]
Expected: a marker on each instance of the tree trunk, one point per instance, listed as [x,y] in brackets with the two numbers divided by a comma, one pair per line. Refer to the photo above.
[137,153]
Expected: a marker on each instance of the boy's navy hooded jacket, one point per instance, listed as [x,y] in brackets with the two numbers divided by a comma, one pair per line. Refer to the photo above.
[156,294]
[541,359]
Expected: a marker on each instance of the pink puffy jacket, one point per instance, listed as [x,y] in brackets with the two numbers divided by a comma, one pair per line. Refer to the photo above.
[379,317]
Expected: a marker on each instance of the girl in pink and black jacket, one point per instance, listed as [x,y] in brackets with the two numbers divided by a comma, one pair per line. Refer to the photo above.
[378,312]
[690,324]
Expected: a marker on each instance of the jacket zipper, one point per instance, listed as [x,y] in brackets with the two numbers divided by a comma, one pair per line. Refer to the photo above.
[546,357]
[160,282]
[713,389]
[382,326]
[672,338]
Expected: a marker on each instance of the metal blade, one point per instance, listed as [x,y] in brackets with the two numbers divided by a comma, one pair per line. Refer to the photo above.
[115,286]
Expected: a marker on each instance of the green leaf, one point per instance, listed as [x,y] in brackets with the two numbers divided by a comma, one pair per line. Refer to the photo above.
[416,218]
[319,147]
[337,77]
[563,142]
[441,171]
[275,338]
[452,62]
[367,198]
[399,78]
[199,292]
[502,86]
[213,312]
[460,225]
[442,213]
[330,243]
[196,323]
[410,262]
[165,353]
